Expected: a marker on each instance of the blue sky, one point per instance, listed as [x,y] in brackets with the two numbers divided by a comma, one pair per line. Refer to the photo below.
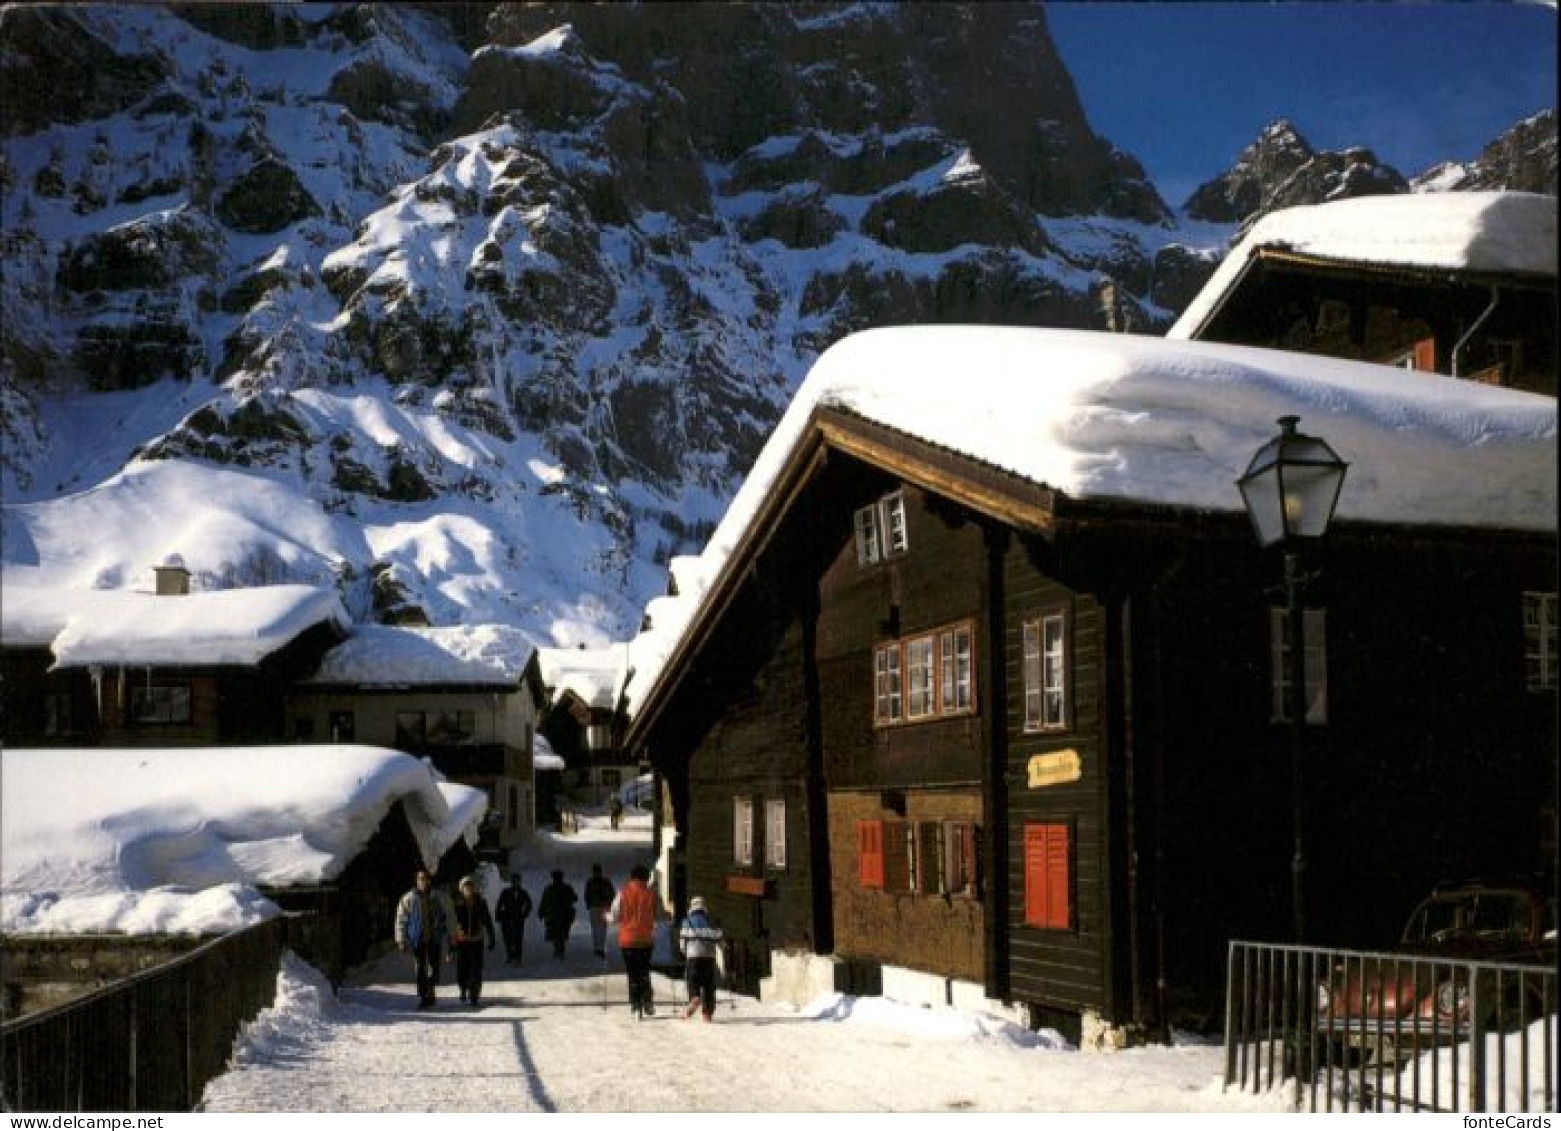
[1184,87]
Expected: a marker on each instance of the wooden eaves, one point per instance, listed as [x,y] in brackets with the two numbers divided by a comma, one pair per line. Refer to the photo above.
[983,487]
[1272,255]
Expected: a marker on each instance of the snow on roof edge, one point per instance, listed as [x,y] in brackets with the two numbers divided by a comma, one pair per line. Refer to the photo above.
[1479,232]
[1255,386]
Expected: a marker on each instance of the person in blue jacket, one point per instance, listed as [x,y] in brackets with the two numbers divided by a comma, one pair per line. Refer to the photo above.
[700,941]
[422,930]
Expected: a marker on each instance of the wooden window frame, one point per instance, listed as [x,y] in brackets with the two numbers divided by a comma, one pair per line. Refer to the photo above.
[959,859]
[167,692]
[1314,635]
[1049,861]
[921,675]
[1539,641]
[742,831]
[881,530]
[422,739]
[334,720]
[893,667]
[775,833]
[888,685]
[1048,705]
[438,733]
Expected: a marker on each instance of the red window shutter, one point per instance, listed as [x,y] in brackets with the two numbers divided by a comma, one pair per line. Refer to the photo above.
[869,853]
[1047,892]
[1059,906]
[1425,355]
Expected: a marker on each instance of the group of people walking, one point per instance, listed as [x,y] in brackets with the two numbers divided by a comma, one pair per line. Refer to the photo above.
[430,928]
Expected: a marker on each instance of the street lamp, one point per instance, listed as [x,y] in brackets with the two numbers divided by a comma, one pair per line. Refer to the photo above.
[1290,490]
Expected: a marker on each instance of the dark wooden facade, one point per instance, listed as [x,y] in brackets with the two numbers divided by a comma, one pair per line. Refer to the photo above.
[229,705]
[1506,324]
[1170,781]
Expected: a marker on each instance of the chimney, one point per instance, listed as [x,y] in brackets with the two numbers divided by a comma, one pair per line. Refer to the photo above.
[173,580]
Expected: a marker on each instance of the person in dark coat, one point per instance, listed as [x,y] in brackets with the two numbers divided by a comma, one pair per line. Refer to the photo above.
[599,894]
[557,912]
[513,910]
[473,929]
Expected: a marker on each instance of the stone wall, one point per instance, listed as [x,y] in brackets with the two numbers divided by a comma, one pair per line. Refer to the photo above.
[40,972]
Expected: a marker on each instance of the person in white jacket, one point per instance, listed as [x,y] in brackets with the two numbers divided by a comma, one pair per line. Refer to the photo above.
[422,929]
[700,940]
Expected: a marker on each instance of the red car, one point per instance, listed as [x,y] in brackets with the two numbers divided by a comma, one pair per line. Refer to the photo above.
[1453,964]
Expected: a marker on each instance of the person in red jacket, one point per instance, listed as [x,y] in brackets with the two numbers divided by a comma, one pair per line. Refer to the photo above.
[635,911]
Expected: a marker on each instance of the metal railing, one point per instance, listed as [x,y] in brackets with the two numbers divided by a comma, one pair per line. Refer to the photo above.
[1363,1031]
[148,1043]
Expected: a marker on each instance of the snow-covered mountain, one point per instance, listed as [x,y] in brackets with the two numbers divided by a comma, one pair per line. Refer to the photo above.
[481,312]
[1523,159]
[1282,170]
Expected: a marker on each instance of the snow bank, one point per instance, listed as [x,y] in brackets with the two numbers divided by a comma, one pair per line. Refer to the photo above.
[145,841]
[948,1024]
[1137,419]
[1492,232]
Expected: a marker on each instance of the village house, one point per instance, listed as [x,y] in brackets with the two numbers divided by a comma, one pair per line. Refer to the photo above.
[583,721]
[466,697]
[1454,283]
[172,668]
[982,692]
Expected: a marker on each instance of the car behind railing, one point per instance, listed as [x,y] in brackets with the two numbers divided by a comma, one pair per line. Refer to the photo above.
[1364,1031]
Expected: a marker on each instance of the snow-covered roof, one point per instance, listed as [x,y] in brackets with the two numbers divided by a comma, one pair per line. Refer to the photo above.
[1115,417]
[384,656]
[593,674]
[153,840]
[228,626]
[1499,233]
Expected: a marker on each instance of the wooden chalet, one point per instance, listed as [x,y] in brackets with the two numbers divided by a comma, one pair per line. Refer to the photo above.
[1460,284]
[174,668]
[468,698]
[967,721]
[583,721]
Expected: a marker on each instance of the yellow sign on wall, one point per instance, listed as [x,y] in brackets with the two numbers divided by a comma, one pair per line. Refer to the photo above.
[1055,769]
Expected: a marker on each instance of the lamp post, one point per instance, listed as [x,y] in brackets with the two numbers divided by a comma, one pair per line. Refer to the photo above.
[1290,490]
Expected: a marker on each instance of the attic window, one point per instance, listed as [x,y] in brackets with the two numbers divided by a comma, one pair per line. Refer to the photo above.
[881,531]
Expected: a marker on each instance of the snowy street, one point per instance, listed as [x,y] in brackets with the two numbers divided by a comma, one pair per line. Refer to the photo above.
[557,1036]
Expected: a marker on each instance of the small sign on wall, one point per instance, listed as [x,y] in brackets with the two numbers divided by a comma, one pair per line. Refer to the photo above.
[748,885]
[1057,768]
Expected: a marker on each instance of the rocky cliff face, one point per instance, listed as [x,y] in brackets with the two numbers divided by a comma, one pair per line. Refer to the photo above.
[1522,159]
[1281,170]
[508,296]
[543,265]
